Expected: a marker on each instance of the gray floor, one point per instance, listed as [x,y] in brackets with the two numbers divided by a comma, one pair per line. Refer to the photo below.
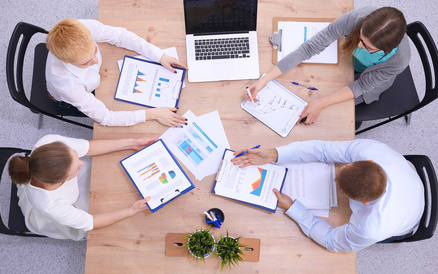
[19,129]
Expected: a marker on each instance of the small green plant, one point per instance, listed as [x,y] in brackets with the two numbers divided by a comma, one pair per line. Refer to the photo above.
[200,243]
[228,249]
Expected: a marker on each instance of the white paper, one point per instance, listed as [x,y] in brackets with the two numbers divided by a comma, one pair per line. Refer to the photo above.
[199,145]
[169,51]
[155,173]
[311,183]
[277,107]
[253,184]
[296,33]
[148,84]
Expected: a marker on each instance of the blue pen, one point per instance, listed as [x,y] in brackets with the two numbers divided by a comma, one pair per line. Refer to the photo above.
[245,152]
[216,222]
[219,219]
[308,87]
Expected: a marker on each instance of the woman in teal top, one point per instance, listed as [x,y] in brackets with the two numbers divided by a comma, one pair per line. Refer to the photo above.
[377,39]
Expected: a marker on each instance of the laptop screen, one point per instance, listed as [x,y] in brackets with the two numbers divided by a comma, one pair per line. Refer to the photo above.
[220,16]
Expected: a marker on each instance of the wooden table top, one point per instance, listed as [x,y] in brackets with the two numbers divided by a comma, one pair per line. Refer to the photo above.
[137,244]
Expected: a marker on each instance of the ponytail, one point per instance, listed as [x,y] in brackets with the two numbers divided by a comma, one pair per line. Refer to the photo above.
[19,169]
[49,164]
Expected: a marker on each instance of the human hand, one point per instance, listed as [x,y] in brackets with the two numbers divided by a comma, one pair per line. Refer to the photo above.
[254,88]
[284,201]
[140,205]
[142,142]
[257,156]
[166,116]
[169,61]
[312,111]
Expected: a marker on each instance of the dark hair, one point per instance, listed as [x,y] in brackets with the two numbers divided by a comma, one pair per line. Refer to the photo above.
[384,27]
[49,164]
[363,181]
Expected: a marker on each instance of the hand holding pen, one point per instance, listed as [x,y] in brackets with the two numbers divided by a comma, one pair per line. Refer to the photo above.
[253,156]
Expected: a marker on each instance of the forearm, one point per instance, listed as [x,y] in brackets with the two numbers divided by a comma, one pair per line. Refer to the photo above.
[273,73]
[107,219]
[341,95]
[98,147]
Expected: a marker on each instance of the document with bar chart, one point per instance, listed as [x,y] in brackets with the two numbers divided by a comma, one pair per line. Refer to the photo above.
[252,185]
[156,173]
[148,83]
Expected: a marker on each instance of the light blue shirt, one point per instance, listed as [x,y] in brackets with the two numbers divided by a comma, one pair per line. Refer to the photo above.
[397,212]
[363,59]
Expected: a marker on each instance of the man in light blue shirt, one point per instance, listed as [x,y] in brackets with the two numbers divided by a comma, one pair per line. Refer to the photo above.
[386,194]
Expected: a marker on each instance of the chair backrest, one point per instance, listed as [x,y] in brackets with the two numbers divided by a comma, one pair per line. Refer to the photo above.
[16,224]
[420,36]
[20,38]
[428,222]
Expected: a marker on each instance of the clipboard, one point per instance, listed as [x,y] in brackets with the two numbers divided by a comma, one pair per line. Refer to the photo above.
[277,107]
[277,35]
[269,176]
[155,172]
[149,84]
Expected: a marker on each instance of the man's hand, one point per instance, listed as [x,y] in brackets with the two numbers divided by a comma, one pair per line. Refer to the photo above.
[284,201]
[259,156]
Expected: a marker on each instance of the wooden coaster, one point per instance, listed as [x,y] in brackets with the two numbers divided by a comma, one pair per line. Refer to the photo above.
[174,244]
[251,249]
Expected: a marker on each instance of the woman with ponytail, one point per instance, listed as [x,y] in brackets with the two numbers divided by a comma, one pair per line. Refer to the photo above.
[53,185]
[378,42]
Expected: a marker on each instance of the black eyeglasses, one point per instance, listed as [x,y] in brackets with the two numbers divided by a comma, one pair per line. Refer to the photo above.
[366,47]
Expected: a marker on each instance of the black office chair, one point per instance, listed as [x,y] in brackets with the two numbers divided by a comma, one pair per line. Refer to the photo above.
[39,102]
[16,224]
[401,99]
[428,222]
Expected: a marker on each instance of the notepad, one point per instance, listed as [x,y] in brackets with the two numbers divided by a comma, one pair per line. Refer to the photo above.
[252,185]
[149,84]
[293,32]
[277,107]
[155,172]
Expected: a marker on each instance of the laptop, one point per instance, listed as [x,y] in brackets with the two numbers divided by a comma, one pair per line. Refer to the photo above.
[221,40]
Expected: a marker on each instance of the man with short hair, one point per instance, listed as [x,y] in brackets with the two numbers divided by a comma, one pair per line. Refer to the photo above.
[386,194]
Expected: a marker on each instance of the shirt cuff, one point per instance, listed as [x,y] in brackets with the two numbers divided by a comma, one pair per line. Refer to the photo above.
[157,54]
[139,116]
[283,154]
[296,211]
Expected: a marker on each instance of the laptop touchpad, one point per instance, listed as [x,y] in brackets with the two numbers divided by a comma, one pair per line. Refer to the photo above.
[224,71]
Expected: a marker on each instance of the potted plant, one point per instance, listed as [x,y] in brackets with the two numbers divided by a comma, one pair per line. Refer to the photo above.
[200,243]
[228,249]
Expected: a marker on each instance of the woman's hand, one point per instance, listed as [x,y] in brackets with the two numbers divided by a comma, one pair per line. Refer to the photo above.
[168,61]
[140,205]
[142,142]
[166,116]
[312,111]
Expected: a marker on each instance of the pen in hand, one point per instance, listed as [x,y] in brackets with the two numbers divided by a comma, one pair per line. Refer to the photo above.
[249,95]
[246,151]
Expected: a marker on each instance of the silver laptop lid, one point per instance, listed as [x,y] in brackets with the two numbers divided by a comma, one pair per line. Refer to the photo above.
[207,17]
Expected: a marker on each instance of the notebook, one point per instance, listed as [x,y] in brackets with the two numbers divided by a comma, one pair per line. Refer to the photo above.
[221,40]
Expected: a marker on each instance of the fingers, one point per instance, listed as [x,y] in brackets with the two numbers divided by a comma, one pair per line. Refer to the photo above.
[277,194]
[239,151]
[147,199]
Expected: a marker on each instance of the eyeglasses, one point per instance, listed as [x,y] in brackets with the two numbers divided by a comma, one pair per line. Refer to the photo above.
[366,47]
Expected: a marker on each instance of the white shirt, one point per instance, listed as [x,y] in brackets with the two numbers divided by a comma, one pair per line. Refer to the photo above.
[74,85]
[397,212]
[58,213]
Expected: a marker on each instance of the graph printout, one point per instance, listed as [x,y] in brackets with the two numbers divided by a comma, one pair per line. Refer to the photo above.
[253,184]
[155,173]
[296,33]
[149,84]
[277,107]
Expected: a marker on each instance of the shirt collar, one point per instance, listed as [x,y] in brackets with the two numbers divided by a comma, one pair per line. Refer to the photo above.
[78,72]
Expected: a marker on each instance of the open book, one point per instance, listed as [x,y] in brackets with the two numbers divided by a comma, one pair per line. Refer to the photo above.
[252,185]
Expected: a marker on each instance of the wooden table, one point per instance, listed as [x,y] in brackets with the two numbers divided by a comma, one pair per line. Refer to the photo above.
[137,244]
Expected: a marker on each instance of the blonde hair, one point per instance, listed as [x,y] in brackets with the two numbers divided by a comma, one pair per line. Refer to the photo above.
[49,164]
[70,40]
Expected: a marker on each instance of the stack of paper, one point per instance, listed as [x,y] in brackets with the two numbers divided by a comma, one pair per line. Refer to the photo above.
[199,145]
[313,185]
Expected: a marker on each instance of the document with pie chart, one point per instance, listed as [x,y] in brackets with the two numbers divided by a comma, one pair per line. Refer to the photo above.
[148,83]
[252,185]
[155,172]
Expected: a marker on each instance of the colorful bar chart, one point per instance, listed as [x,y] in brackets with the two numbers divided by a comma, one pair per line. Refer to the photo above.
[257,186]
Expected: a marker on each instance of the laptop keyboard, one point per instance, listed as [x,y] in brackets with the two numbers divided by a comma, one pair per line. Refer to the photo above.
[223,48]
